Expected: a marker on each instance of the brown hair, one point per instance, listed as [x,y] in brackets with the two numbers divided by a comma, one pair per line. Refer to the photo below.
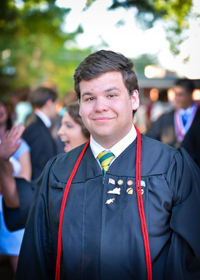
[187,84]
[73,110]
[104,61]
[7,106]
[40,95]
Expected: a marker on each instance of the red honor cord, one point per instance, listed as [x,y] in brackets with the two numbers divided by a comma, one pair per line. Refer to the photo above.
[62,208]
[141,206]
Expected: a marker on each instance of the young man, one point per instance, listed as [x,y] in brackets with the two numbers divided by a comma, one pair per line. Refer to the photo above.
[37,133]
[172,127]
[137,217]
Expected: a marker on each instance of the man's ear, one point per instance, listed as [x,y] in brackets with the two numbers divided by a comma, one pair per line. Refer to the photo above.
[48,102]
[135,99]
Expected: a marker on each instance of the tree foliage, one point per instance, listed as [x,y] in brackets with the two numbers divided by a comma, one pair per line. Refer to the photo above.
[34,48]
[32,45]
[175,14]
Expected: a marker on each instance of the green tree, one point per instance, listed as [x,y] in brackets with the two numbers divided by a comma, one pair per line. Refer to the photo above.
[32,45]
[174,13]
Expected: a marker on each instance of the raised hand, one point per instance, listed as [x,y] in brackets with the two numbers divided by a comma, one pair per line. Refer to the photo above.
[9,142]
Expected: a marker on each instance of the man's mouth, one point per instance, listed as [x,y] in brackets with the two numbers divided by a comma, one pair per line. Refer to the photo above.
[102,119]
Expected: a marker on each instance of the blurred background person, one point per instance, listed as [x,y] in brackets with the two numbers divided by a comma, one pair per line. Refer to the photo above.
[38,128]
[70,97]
[56,120]
[10,242]
[160,106]
[191,142]
[172,127]
[20,100]
[72,131]
[55,125]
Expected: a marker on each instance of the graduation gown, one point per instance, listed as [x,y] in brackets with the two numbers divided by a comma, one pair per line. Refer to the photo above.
[104,241]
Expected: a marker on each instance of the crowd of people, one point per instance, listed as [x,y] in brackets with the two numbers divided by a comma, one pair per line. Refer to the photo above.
[36,147]
[97,199]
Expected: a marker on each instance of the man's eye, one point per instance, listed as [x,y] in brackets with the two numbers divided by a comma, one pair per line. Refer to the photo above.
[90,99]
[111,95]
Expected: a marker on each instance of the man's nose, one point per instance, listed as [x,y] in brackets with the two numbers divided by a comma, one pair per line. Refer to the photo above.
[101,104]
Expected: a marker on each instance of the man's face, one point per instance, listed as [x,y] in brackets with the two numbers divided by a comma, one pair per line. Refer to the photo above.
[182,97]
[106,107]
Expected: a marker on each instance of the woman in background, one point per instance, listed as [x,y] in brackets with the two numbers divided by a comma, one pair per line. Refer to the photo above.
[21,166]
[72,132]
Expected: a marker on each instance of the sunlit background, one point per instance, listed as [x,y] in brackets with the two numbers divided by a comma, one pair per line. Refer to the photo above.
[102,26]
[35,55]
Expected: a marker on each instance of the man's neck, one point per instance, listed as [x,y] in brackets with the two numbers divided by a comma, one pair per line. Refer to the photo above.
[188,105]
[110,141]
[118,147]
[46,120]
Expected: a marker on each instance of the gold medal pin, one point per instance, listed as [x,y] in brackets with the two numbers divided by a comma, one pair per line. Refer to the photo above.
[129,191]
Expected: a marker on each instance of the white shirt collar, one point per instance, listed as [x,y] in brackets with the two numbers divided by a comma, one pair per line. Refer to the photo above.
[46,120]
[118,148]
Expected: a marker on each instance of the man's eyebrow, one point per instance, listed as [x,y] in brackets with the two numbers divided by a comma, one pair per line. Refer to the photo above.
[106,90]
[111,89]
[86,93]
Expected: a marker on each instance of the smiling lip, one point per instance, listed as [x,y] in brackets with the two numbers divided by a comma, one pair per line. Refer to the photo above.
[102,119]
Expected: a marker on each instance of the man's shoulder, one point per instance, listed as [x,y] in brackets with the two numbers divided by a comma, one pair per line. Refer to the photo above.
[72,154]
[31,119]
[153,144]
[33,125]
[157,155]
[65,162]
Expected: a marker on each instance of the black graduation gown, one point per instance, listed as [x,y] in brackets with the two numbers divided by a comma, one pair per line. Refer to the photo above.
[104,241]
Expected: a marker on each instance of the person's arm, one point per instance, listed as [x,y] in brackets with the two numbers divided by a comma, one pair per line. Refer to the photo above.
[9,145]
[8,185]
[25,162]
